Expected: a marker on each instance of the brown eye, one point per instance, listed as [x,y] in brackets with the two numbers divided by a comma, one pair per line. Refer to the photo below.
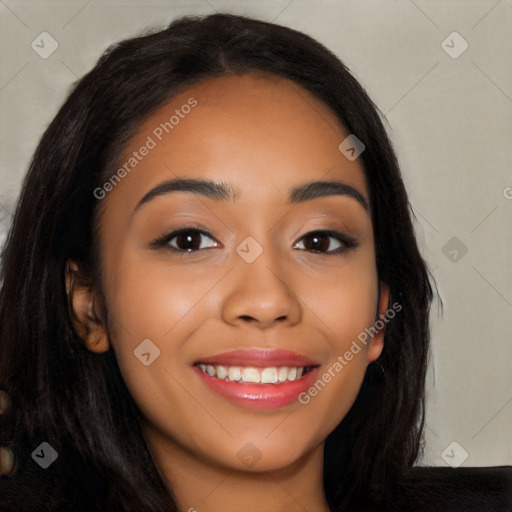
[327,242]
[190,240]
[186,240]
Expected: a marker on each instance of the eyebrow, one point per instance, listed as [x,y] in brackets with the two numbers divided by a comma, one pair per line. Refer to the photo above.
[220,191]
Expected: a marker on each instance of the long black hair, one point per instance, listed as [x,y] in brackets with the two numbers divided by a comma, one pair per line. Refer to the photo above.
[62,392]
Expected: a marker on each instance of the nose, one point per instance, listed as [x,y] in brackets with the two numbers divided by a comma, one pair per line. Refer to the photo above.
[261,294]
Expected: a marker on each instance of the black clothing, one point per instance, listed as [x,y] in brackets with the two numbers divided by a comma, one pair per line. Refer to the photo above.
[70,484]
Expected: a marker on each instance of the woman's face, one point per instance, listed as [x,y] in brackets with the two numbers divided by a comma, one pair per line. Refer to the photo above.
[250,289]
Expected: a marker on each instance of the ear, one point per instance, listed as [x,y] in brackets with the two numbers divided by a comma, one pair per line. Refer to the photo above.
[84,310]
[377,343]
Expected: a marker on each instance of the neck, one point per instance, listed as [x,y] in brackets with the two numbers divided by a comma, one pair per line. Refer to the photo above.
[199,485]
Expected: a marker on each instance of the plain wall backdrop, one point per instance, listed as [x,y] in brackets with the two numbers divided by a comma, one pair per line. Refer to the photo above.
[441,73]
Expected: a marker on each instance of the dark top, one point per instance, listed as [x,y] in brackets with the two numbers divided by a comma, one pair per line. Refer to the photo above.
[70,484]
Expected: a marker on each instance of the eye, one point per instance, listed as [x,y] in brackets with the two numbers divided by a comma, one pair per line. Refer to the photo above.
[327,242]
[186,240]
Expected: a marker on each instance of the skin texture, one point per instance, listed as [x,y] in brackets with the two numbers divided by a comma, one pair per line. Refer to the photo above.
[261,135]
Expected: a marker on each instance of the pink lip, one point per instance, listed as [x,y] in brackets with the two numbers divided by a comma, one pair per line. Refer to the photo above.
[260,396]
[259,358]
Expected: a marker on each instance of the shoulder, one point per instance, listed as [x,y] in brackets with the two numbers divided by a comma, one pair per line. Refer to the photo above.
[479,489]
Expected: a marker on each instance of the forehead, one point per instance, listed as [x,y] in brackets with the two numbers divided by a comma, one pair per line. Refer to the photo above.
[260,133]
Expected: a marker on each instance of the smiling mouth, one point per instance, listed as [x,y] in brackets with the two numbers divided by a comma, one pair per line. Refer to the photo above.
[258,378]
[254,375]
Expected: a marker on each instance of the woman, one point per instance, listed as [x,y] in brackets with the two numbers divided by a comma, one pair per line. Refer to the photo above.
[212,294]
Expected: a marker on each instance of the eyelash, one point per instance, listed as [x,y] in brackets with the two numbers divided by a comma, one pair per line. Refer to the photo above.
[347,242]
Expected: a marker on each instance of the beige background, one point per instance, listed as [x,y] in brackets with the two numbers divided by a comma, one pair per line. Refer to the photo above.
[450,120]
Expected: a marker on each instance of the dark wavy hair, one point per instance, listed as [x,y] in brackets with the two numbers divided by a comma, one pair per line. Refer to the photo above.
[63,393]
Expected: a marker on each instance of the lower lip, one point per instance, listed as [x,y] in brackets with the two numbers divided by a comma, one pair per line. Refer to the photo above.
[260,396]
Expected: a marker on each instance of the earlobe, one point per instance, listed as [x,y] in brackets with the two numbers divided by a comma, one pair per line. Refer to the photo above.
[83,310]
[98,340]
[377,343]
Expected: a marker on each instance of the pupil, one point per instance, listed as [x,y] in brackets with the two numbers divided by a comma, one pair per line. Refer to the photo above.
[186,241]
[318,243]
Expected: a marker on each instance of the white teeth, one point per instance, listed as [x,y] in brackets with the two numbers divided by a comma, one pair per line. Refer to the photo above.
[221,372]
[271,375]
[251,375]
[235,373]
[292,373]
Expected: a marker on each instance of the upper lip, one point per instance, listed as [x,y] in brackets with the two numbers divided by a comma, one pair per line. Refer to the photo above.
[259,357]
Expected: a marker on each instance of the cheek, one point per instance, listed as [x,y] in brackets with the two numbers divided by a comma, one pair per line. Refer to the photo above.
[154,307]
[345,303]
[345,300]
[145,309]
[148,300]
